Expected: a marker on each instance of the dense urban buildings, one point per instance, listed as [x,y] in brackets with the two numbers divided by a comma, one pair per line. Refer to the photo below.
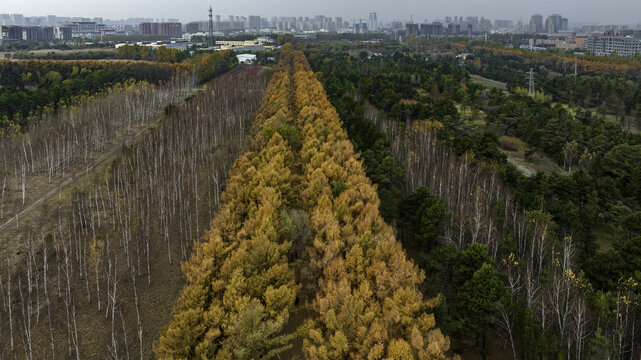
[91,28]
[550,31]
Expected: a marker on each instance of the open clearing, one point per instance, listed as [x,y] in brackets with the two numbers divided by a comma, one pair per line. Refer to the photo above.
[515,149]
[489,82]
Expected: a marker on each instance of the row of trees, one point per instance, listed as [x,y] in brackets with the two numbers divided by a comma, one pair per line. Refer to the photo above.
[75,55]
[28,88]
[368,302]
[140,70]
[540,264]
[110,261]
[365,293]
[162,53]
[241,287]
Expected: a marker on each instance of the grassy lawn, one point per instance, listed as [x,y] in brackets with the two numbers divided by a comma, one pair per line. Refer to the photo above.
[515,150]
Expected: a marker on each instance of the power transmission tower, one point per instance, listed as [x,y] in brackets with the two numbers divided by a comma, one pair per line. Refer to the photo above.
[211,27]
[530,91]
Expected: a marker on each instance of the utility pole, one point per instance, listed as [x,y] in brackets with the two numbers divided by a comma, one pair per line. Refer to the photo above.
[530,92]
[211,26]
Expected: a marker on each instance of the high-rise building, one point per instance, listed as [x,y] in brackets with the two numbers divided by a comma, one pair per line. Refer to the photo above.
[172,29]
[411,30]
[485,25]
[86,29]
[254,22]
[360,28]
[503,24]
[339,22]
[37,33]
[17,19]
[62,32]
[425,29]
[474,21]
[553,23]
[536,23]
[396,25]
[192,27]
[549,25]
[564,24]
[373,22]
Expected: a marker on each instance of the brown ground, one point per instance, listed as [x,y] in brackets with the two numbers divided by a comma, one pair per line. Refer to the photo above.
[40,216]
[41,194]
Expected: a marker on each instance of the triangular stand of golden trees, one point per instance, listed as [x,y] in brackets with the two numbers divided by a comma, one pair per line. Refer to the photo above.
[241,280]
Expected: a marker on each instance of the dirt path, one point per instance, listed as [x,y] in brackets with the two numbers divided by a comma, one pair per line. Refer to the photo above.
[102,159]
[11,228]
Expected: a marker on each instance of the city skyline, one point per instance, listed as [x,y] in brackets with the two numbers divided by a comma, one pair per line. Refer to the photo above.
[588,11]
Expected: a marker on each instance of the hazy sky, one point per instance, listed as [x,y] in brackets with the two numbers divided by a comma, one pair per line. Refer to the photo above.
[601,11]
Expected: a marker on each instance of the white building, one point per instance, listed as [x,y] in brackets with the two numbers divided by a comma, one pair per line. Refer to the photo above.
[606,45]
[247,59]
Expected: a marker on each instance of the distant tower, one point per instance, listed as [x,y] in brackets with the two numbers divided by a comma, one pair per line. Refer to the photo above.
[211,26]
[373,22]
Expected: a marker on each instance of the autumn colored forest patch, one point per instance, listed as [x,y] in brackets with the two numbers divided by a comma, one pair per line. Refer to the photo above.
[299,227]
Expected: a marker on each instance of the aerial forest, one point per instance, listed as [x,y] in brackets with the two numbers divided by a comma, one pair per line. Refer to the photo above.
[344,197]
[298,249]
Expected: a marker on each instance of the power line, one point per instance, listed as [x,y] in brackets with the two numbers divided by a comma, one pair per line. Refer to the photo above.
[530,91]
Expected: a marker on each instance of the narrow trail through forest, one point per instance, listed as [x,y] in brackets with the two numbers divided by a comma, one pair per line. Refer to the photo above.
[101,160]
[33,211]
[109,238]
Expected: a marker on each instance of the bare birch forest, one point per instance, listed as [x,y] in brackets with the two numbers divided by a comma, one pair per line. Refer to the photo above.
[483,211]
[94,276]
